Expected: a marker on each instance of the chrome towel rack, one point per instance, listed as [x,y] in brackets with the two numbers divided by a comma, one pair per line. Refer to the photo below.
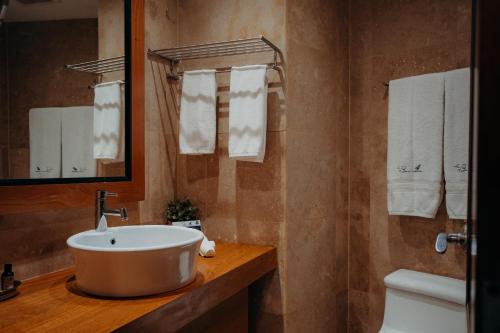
[99,67]
[218,49]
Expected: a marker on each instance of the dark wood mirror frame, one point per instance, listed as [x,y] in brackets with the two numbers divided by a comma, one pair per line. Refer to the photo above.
[27,198]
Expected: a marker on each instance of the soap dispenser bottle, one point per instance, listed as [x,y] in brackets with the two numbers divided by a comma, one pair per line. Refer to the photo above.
[7,277]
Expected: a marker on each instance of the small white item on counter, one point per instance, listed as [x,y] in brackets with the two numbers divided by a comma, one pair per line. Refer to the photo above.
[195,224]
[207,248]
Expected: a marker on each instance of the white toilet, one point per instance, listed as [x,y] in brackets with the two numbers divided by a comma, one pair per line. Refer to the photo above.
[423,303]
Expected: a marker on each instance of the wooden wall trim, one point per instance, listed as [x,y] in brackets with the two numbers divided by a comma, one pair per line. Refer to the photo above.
[29,198]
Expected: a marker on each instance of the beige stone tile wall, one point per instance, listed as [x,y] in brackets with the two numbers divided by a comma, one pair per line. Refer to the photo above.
[240,201]
[35,243]
[320,195]
[389,40]
[317,162]
[161,117]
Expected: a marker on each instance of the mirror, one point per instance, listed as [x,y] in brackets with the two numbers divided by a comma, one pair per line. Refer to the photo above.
[64,98]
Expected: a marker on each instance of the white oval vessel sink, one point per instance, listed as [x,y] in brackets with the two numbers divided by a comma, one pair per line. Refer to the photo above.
[135,260]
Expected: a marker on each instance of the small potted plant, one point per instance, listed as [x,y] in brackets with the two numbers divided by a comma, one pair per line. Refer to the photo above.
[182,213]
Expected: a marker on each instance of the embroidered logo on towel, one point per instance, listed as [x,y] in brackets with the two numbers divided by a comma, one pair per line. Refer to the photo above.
[461,167]
[47,170]
[405,169]
[78,170]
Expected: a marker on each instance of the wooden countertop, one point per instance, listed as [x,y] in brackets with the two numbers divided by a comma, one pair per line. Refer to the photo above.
[52,303]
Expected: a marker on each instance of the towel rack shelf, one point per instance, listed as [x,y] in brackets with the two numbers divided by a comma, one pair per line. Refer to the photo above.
[218,49]
[99,67]
[222,70]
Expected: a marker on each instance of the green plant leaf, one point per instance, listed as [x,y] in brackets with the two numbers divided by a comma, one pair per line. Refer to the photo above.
[180,210]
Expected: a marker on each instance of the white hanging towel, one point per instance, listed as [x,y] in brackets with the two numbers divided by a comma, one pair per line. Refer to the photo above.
[45,142]
[415,145]
[248,113]
[109,121]
[78,142]
[198,123]
[456,141]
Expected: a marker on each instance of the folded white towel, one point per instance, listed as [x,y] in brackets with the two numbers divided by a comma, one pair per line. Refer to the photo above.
[248,113]
[456,141]
[198,123]
[109,120]
[45,142]
[415,145]
[207,248]
[78,142]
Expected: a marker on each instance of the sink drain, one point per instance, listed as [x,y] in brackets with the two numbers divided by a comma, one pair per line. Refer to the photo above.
[112,241]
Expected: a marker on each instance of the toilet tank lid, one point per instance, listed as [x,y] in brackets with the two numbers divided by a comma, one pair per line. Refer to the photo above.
[445,288]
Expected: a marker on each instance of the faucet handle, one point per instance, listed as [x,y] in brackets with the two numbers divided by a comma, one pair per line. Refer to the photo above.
[444,238]
[441,243]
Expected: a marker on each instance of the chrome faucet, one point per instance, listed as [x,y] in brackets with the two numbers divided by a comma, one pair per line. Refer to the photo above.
[102,210]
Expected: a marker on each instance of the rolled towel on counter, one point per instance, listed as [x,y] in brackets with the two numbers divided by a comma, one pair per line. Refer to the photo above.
[207,248]
[248,113]
[198,123]
[415,145]
[456,141]
[109,121]
[45,142]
